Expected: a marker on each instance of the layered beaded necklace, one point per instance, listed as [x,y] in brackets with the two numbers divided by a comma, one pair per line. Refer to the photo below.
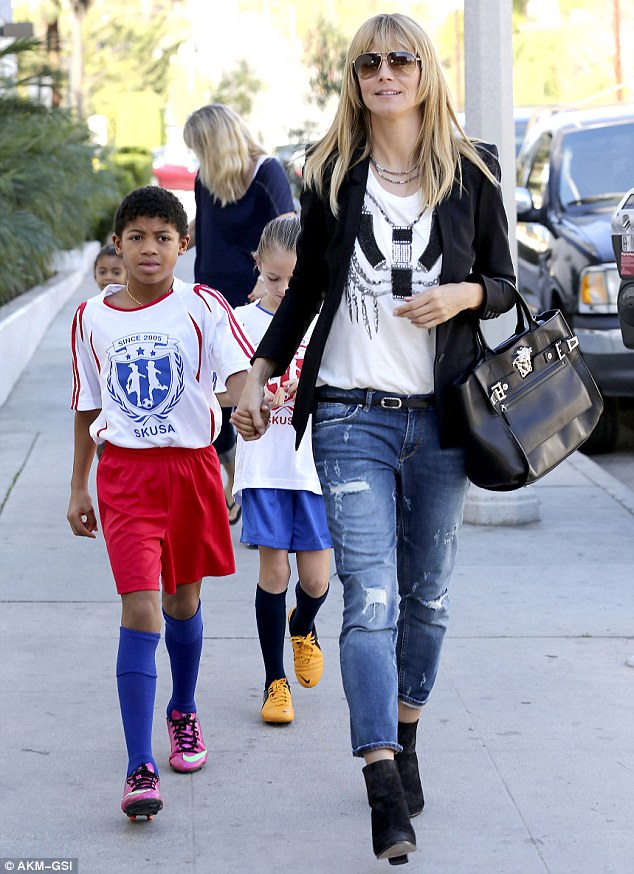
[381,171]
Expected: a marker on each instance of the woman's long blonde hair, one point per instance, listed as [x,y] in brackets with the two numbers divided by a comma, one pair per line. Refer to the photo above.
[441,140]
[225,150]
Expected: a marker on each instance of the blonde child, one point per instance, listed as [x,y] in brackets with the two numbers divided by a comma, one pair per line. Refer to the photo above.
[282,505]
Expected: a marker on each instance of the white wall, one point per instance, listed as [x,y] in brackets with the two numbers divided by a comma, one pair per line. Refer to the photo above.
[24,321]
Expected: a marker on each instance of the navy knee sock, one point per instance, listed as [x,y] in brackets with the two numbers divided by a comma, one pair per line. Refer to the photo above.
[136,682]
[270,615]
[307,609]
[184,642]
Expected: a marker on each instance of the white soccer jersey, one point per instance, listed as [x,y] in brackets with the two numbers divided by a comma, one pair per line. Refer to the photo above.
[149,370]
[272,462]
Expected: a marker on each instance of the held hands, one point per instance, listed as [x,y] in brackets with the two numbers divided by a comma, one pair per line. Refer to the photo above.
[251,417]
[437,305]
[81,515]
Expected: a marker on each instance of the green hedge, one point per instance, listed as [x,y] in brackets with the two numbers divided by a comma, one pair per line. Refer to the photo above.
[54,190]
[130,169]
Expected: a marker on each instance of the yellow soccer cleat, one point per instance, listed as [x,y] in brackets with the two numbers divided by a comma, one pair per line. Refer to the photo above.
[278,706]
[308,657]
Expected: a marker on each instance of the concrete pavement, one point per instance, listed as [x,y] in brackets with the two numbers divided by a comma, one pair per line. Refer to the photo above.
[527,745]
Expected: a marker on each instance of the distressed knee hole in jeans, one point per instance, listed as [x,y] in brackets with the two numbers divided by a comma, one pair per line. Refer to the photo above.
[351,488]
[374,597]
[438,603]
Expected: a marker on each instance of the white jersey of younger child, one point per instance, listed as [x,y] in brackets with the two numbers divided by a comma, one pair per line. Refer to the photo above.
[150,370]
[272,461]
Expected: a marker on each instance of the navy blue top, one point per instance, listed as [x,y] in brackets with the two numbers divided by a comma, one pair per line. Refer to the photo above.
[227,235]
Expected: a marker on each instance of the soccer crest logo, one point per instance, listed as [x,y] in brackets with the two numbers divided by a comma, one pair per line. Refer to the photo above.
[146,375]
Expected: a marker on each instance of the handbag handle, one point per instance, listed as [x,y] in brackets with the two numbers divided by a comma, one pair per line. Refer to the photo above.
[525,321]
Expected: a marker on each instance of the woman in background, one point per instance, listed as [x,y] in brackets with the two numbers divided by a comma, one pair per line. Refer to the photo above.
[238,190]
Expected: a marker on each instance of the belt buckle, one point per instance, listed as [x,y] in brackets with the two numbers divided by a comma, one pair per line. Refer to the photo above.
[391,403]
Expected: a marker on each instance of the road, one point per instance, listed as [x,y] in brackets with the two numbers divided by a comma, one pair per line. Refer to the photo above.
[620,463]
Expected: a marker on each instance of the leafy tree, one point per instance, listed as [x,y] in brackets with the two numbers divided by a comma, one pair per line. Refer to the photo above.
[128,52]
[326,49]
[110,47]
[78,10]
[52,188]
[237,88]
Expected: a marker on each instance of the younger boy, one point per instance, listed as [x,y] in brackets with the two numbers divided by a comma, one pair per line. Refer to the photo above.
[143,358]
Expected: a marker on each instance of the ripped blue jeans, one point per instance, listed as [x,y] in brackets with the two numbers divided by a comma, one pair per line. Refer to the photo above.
[394,501]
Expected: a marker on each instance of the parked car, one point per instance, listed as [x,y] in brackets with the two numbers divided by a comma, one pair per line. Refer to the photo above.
[573,168]
[292,157]
[174,168]
[524,117]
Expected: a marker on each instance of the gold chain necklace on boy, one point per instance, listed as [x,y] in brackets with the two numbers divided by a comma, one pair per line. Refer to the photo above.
[383,170]
[137,301]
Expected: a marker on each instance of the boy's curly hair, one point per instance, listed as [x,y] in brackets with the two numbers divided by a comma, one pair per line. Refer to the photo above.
[150,201]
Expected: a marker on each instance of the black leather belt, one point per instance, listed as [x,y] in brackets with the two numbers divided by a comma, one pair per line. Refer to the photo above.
[378,399]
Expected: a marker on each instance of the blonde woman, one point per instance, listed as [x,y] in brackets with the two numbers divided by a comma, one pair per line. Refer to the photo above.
[403,247]
[238,189]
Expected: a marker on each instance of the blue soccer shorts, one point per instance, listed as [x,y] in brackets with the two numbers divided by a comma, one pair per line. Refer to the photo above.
[284,519]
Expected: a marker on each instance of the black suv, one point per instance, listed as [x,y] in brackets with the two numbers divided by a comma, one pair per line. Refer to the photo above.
[572,170]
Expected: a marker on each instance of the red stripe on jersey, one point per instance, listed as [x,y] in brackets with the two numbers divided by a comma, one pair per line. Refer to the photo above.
[199,334]
[77,324]
[92,349]
[236,328]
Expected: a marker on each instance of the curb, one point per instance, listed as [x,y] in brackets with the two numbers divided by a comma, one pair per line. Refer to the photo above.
[604,480]
[25,320]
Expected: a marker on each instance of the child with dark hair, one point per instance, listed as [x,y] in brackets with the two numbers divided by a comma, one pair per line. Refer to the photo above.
[144,355]
[109,268]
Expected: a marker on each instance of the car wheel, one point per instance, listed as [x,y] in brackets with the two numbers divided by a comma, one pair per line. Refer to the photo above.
[603,438]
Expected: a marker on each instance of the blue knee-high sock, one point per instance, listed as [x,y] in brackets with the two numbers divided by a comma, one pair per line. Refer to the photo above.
[184,642]
[270,615]
[307,609]
[136,682]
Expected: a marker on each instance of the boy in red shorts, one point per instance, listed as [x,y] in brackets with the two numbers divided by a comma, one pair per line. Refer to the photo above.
[143,360]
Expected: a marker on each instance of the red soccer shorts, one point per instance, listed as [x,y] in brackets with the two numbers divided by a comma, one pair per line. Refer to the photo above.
[163,516]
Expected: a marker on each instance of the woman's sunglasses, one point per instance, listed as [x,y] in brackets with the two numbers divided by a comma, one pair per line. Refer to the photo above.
[401,63]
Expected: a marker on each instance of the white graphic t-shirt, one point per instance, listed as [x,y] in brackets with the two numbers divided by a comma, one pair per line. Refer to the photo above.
[272,462]
[398,251]
[149,370]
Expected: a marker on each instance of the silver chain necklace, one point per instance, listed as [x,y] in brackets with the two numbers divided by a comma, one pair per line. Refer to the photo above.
[381,171]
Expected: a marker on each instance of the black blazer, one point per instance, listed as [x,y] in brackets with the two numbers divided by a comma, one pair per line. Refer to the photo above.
[474,233]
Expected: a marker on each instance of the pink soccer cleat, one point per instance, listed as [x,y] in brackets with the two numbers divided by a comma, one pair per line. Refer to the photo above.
[188,751]
[142,793]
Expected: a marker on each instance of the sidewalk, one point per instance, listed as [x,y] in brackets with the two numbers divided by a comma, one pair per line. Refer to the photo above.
[527,746]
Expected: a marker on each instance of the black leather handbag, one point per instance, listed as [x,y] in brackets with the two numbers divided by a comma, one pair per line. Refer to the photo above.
[528,403]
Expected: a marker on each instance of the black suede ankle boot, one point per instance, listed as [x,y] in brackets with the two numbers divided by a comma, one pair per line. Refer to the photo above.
[392,834]
[407,763]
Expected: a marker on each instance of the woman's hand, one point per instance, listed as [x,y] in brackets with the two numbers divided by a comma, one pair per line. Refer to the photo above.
[251,416]
[437,305]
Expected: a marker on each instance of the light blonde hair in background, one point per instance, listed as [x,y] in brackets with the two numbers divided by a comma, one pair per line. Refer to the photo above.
[441,140]
[225,150]
[280,233]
